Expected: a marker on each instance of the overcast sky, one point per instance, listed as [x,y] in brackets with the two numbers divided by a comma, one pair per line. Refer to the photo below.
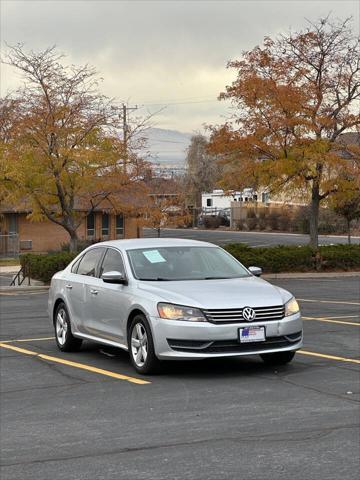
[157,53]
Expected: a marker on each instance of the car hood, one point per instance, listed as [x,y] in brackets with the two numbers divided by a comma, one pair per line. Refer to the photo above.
[226,293]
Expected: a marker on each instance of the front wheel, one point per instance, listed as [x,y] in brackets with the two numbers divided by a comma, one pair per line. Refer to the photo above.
[141,346]
[65,340]
[278,358]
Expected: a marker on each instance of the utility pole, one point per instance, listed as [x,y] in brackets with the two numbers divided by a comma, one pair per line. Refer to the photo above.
[125,109]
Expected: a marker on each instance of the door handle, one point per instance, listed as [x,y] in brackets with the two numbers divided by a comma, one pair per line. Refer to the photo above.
[68,287]
[94,292]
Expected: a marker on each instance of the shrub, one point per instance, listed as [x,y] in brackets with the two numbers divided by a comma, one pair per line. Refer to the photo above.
[285,220]
[239,225]
[262,220]
[43,267]
[270,259]
[212,222]
[340,257]
[297,259]
[274,220]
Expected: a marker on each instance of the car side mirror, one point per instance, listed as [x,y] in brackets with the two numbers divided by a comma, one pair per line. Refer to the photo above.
[257,271]
[114,277]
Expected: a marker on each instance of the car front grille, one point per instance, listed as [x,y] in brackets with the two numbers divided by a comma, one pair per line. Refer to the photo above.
[233,346]
[234,315]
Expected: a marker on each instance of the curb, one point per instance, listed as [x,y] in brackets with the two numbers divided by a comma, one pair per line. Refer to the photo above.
[311,275]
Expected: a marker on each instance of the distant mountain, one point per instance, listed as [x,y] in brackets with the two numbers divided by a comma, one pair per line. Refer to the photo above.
[167,147]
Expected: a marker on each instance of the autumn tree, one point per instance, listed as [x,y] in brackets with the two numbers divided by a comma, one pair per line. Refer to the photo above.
[202,169]
[292,99]
[166,205]
[346,203]
[350,211]
[59,141]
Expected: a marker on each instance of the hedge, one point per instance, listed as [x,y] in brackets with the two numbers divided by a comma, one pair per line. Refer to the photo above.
[297,258]
[43,267]
[270,259]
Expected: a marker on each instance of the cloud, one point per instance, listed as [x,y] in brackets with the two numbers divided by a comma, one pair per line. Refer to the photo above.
[153,51]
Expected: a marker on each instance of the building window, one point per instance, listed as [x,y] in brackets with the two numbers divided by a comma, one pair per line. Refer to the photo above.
[119,226]
[13,224]
[105,225]
[209,202]
[90,225]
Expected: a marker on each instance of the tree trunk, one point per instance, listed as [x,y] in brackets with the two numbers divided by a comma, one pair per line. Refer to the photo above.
[349,231]
[73,241]
[314,217]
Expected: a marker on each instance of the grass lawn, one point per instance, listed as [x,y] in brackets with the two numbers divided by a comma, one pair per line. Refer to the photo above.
[9,262]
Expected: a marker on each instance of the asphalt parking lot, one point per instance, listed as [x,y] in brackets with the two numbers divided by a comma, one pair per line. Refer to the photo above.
[89,416]
[253,239]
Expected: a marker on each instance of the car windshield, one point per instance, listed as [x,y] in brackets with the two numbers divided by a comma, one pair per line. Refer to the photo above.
[184,263]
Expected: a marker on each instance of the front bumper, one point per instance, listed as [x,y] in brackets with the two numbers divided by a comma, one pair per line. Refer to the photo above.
[175,339]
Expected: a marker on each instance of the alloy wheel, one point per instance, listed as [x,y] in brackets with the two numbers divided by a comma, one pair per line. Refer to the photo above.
[61,326]
[139,344]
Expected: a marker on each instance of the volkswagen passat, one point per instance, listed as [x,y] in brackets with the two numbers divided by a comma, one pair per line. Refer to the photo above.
[164,299]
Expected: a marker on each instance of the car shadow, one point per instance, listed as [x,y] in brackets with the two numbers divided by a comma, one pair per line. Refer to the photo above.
[214,367]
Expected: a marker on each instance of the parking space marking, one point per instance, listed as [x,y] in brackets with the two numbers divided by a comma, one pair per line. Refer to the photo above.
[81,366]
[27,340]
[330,320]
[329,357]
[327,301]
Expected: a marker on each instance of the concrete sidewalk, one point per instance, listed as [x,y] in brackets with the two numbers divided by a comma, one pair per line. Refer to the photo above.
[4,269]
[8,272]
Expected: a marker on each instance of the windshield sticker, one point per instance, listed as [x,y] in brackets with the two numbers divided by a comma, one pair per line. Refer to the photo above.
[154,256]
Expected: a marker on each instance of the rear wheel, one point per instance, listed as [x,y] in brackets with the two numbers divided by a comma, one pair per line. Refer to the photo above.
[65,340]
[278,358]
[141,346]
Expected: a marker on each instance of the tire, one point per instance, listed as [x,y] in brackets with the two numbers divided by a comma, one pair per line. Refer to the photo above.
[278,358]
[141,346]
[65,340]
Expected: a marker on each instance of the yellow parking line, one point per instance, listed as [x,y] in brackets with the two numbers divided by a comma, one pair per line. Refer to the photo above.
[327,301]
[27,340]
[18,349]
[330,357]
[82,366]
[329,320]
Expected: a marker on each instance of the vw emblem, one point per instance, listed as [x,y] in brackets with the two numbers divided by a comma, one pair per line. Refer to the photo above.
[248,314]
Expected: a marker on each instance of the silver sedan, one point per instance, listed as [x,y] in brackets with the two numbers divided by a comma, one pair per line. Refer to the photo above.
[168,299]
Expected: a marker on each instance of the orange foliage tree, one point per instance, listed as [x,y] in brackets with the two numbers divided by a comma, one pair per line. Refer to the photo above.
[292,99]
[59,143]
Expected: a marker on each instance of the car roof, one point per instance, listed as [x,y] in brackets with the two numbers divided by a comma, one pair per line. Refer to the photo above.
[132,243]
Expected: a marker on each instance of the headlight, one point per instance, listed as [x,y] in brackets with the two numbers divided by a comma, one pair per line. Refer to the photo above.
[177,312]
[291,307]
